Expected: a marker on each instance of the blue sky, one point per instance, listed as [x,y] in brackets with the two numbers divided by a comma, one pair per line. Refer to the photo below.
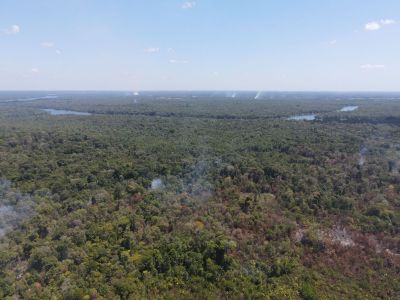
[200,45]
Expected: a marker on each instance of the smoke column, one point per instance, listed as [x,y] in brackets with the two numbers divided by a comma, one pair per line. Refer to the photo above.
[362,154]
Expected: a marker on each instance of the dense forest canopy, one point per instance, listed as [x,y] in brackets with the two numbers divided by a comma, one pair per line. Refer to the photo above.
[180,195]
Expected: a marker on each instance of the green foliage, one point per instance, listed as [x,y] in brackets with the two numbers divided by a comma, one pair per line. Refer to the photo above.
[307,292]
[253,206]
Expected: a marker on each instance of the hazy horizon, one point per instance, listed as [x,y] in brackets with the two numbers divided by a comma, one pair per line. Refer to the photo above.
[209,90]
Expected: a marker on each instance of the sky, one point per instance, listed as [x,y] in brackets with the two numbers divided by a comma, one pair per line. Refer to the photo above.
[134,45]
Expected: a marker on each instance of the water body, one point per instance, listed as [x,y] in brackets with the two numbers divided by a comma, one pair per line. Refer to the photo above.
[309,117]
[349,108]
[32,98]
[61,112]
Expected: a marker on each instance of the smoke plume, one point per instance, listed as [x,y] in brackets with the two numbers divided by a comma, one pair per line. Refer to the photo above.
[14,207]
[362,156]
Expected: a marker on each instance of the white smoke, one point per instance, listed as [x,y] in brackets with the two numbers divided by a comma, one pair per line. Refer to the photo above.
[362,156]
[157,184]
[14,207]
[231,94]
[258,95]
[196,183]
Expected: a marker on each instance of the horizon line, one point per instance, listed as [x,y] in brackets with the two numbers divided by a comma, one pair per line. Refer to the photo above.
[202,90]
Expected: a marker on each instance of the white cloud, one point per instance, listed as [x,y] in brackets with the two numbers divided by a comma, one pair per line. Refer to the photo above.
[333,42]
[50,45]
[388,22]
[47,44]
[13,29]
[372,66]
[189,4]
[375,25]
[174,61]
[152,50]
[372,26]
[35,70]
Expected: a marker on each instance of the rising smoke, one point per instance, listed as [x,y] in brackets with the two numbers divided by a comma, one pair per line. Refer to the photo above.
[157,184]
[362,156]
[231,95]
[14,207]
[258,95]
[194,183]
